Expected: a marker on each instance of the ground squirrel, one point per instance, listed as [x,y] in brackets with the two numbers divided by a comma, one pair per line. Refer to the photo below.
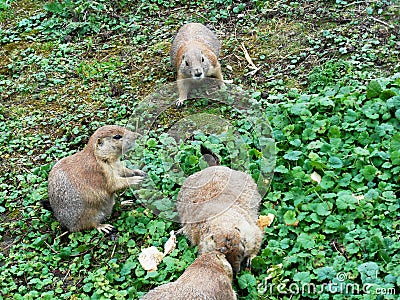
[82,186]
[208,278]
[194,54]
[218,208]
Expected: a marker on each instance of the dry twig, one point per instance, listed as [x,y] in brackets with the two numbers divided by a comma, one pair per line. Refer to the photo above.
[250,61]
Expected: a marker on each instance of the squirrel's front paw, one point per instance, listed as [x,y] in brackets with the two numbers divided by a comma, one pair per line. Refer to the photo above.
[126,202]
[105,228]
[140,173]
[179,102]
[135,179]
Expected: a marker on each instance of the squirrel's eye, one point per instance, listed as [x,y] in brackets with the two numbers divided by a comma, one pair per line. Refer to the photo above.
[202,59]
[117,137]
[187,63]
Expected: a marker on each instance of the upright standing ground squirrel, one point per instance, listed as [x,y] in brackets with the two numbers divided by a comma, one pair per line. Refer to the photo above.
[219,207]
[82,186]
[208,278]
[194,54]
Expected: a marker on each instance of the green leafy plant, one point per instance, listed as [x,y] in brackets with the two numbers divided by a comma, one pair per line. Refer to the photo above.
[327,81]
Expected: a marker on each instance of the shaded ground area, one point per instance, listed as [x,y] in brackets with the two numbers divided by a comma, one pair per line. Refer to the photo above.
[73,69]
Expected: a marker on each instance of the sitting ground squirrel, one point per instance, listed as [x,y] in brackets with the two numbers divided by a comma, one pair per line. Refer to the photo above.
[208,278]
[218,208]
[82,186]
[194,54]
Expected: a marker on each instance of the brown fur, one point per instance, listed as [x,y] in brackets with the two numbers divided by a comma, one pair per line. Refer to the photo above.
[194,54]
[219,209]
[82,186]
[206,50]
[208,278]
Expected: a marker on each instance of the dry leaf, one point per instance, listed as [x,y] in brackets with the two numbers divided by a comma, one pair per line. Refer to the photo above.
[359,197]
[265,221]
[267,181]
[294,224]
[248,58]
[170,244]
[150,258]
[250,61]
[316,177]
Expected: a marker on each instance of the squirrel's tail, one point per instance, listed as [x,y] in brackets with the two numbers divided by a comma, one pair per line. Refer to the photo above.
[210,157]
[46,205]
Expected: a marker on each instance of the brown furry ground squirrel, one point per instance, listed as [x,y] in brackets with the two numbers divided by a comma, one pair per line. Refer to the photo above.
[208,278]
[82,186]
[194,54]
[218,208]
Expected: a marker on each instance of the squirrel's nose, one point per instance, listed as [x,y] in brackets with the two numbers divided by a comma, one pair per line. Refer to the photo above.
[198,73]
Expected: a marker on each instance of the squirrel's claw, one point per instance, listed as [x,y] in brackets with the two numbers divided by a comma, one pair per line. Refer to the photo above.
[140,173]
[179,102]
[126,202]
[136,179]
[105,228]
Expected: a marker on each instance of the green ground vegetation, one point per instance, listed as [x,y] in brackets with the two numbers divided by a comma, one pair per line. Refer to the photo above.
[328,82]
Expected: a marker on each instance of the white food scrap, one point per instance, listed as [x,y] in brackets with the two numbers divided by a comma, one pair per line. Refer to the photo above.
[170,244]
[150,258]
[316,177]
[265,221]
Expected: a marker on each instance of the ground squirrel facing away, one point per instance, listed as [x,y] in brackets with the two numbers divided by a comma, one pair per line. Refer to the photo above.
[208,278]
[218,208]
[82,186]
[194,54]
